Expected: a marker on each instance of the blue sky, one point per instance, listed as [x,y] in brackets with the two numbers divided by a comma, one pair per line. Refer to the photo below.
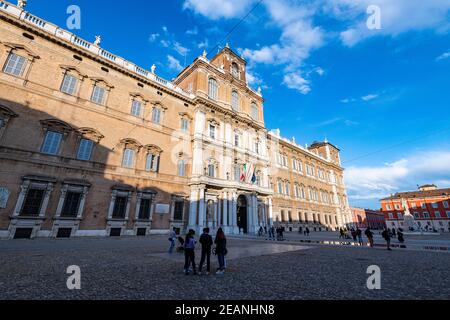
[382,96]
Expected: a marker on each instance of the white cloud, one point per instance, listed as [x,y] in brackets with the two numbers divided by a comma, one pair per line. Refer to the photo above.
[216,9]
[204,44]
[443,56]
[192,32]
[397,17]
[370,97]
[374,183]
[180,49]
[174,64]
[297,82]
[153,37]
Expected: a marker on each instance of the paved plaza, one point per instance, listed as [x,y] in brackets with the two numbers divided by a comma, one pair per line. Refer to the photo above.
[140,268]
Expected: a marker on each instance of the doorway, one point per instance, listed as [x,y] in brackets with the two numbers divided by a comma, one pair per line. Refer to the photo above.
[242,213]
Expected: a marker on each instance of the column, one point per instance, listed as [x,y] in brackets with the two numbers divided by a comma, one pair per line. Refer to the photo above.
[44,206]
[193,209]
[232,197]
[111,204]
[82,202]
[23,191]
[224,221]
[270,212]
[61,201]
[201,209]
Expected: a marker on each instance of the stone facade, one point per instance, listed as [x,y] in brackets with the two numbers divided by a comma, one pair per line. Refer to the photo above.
[93,145]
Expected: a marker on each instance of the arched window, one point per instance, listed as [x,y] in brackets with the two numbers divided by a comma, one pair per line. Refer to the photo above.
[254,112]
[213,89]
[235,70]
[211,170]
[129,156]
[235,100]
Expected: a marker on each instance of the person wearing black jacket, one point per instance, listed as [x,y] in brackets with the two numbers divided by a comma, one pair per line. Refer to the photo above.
[221,250]
[206,241]
[386,235]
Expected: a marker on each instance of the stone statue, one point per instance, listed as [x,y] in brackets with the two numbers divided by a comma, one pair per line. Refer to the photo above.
[204,53]
[98,40]
[153,69]
[259,90]
[22,4]
[408,219]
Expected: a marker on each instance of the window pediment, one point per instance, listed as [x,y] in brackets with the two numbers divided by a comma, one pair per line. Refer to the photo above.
[137,95]
[152,149]
[185,115]
[56,125]
[74,70]
[19,47]
[7,113]
[131,144]
[91,134]
[101,81]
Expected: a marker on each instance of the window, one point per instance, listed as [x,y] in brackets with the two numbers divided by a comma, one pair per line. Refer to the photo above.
[435,205]
[98,95]
[235,101]
[437,214]
[288,189]
[152,163]
[15,65]
[397,207]
[424,205]
[212,89]
[235,70]
[178,211]
[128,158]
[254,111]
[237,173]
[71,204]
[391,215]
[414,205]
[184,125]
[136,108]
[33,202]
[69,84]
[181,168]
[85,150]
[212,131]
[120,207]
[237,140]
[257,147]
[280,187]
[145,209]
[448,214]
[426,215]
[388,207]
[52,142]
[444,203]
[416,215]
[211,170]
[156,115]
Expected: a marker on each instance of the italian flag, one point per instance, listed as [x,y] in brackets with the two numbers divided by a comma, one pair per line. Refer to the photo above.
[248,175]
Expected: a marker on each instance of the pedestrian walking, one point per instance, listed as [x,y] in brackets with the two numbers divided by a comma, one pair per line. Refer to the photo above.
[387,236]
[206,241]
[369,235]
[359,235]
[400,236]
[353,233]
[189,252]
[172,239]
[221,250]
[307,231]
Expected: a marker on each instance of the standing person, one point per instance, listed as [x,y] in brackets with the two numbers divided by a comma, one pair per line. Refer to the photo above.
[189,252]
[221,250]
[359,235]
[369,235]
[172,239]
[400,235]
[307,231]
[206,241]
[387,236]
[272,229]
[353,233]
[341,233]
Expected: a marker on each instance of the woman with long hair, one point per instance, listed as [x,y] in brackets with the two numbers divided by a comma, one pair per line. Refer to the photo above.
[221,250]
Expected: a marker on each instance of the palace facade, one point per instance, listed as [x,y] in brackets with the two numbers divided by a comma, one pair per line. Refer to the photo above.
[93,145]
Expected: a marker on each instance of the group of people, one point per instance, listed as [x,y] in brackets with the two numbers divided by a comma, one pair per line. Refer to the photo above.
[188,245]
[387,235]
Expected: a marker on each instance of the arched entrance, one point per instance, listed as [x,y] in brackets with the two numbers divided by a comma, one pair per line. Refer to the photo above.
[242,213]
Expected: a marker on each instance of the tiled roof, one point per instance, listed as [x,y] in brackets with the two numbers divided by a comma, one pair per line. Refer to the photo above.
[420,194]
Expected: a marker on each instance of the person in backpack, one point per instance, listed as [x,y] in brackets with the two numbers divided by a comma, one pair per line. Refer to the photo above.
[189,252]
[206,241]
[172,239]
[359,235]
[221,250]
[387,236]
[369,235]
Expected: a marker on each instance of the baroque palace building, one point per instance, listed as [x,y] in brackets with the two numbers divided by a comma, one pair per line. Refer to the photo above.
[93,145]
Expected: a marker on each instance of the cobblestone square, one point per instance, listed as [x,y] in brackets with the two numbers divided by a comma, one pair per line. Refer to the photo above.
[141,269]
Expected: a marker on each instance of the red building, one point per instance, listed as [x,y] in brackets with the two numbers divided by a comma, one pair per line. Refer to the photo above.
[363,218]
[429,205]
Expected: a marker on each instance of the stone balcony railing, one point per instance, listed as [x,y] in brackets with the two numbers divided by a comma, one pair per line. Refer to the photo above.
[65,35]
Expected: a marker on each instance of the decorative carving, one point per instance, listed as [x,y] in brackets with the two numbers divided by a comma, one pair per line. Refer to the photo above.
[91,134]
[153,69]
